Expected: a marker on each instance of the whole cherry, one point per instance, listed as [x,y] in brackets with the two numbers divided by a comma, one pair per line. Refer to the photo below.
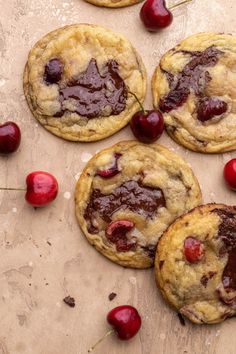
[230,174]
[10,137]
[155,15]
[147,125]
[125,321]
[193,249]
[41,188]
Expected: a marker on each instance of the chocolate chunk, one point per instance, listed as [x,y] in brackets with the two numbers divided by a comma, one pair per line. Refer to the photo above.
[112,296]
[53,71]
[227,233]
[70,301]
[96,94]
[131,195]
[150,250]
[206,277]
[192,77]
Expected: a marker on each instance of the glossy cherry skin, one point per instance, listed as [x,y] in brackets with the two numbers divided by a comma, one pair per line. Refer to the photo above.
[193,249]
[125,320]
[42,188]
[111,171]
[147,126]
[155,15]
[116,233]
[230,174]
[10,137]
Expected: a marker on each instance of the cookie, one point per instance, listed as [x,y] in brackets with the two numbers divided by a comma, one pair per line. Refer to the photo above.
[196,264]
[194,86]
[126,197]
[77,82]
[113,3]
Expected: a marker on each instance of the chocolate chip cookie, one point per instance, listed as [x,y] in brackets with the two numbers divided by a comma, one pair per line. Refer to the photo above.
[126,197]
[77,82]
[196,264]
[113,3]
[194,86]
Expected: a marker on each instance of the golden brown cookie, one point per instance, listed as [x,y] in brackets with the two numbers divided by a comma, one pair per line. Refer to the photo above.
[194,86]
[76,82]
[113,3]
[196,264]
[126,197]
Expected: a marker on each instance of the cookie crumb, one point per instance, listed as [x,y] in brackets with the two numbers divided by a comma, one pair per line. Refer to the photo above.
[49,243]
[181,319]
[112,296]
[70,301]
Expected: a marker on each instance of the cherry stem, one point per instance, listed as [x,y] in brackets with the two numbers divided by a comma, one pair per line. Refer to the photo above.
[101,339]
[135,96]
[178,4]
[12,189]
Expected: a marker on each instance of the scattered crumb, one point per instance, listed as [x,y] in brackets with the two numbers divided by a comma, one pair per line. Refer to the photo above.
[49,243]
[181,319]
[162,336]
[46,283]
[112,296]
[14,210]
[67,195]
[70,301]
[132,280]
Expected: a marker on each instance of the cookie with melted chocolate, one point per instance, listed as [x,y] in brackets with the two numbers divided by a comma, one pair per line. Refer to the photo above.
[198,278]
[128,195]
[193,86]
[76,82]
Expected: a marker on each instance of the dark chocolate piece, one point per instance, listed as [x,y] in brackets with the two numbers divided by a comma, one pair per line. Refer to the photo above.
[96,94]
[193,76]
[150,250]
[130,195]
[206,277]
[70,301]
[227,233]
[53,71]
[112,296]
[181,319]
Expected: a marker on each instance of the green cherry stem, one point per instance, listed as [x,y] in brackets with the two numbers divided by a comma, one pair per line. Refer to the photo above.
[139,102]
[101,339]
[12,189]
[179,4]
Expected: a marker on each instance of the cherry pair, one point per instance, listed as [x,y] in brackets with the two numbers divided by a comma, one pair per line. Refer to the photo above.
[41,187]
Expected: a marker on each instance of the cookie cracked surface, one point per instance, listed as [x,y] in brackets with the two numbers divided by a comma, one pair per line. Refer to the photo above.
[77,78]
[128,195]
[194,87]
[196,264]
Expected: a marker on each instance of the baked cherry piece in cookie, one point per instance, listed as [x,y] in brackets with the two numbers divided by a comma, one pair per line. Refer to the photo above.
[76,82]
[124,212]
[196,264]
[193,86]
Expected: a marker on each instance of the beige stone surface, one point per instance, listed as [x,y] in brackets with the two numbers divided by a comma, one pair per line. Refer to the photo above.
[34,275]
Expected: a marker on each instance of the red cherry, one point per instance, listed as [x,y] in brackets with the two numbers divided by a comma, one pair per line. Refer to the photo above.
[210,107]
[42,188]
[112,171]
[147,126]
[125,320]
[155,15]
[193,250]
[10,137]
[230,174]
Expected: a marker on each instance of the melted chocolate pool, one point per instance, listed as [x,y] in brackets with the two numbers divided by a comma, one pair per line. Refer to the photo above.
[227,233]
[193,76]
[94,93]
[130,195]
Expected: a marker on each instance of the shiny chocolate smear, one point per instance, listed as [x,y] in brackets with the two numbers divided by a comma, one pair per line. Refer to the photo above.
[193,76]
[130,195]
[227,233]
[96,94]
